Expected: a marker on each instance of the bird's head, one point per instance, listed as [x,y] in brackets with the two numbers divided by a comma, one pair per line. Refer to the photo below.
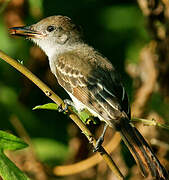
[50,32]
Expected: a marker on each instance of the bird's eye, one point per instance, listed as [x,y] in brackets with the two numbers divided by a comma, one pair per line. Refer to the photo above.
[50,28]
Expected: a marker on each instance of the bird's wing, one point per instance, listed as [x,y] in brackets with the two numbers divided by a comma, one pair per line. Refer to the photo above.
[95,86]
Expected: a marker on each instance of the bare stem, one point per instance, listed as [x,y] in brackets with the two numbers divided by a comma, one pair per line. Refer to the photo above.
[59,101]
[152,122]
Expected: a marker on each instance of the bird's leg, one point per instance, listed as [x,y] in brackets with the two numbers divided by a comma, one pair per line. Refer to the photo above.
[67,103]
[101,139]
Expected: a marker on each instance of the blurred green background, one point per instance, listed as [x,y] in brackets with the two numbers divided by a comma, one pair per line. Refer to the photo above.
[115,28]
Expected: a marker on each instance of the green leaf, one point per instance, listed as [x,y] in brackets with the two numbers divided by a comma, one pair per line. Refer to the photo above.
[49,106]
[86,116]
[8,170]
[11,142]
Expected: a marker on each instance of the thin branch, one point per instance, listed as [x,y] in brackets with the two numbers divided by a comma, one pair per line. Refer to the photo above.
[59,101]
[152,122]
[48,92]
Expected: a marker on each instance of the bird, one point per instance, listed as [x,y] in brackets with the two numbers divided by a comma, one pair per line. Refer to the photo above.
[92,83]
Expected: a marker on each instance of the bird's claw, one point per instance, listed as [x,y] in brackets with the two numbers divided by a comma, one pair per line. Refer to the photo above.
[61,109]
[98,144]
[67,103]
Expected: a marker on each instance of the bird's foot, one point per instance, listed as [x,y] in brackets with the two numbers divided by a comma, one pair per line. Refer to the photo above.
[100,140]
[67,103]
[98,144]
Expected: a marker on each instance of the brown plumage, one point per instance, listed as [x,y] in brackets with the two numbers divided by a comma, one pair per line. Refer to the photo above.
[92,83]
[110,104]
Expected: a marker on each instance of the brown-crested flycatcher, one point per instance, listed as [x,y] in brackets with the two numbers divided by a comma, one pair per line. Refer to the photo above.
[92,82]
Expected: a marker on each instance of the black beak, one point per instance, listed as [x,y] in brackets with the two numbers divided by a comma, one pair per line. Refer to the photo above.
[25,31]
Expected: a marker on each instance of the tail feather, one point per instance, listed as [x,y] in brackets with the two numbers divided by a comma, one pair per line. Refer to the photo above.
[142,153]
[161,170]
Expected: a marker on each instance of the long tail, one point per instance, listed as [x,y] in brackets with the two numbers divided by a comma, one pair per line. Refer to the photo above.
[142,153]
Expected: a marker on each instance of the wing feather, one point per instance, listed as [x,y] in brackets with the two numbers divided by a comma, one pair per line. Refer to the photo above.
[97,87]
